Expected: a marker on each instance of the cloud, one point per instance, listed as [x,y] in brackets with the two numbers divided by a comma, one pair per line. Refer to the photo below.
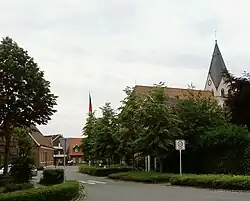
[101,46]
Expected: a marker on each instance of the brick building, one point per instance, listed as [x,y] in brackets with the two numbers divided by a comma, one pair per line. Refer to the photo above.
[75,152]
[42,148]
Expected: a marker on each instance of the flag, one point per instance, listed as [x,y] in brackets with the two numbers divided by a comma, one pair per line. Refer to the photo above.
[90,104]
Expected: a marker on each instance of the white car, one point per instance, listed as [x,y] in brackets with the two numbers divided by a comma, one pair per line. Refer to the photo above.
[9,167]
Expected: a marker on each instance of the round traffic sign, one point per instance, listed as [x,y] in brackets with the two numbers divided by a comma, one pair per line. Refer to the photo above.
[180,144]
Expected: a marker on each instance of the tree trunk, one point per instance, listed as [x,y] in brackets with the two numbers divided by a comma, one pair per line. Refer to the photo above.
[6,152]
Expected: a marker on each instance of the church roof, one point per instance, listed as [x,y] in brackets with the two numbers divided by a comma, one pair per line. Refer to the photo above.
[217,66]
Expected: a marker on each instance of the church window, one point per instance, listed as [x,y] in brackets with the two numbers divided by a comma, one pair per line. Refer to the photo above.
[212,92]
[222,92]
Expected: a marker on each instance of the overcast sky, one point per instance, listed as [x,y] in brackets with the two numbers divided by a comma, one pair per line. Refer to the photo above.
[102,46]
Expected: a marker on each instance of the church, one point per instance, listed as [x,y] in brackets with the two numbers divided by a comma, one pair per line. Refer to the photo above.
[215,86]
[215,81]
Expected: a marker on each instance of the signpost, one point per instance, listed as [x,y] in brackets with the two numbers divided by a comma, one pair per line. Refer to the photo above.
[180,145]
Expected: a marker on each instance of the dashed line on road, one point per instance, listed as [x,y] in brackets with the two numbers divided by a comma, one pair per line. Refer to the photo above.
[92,182]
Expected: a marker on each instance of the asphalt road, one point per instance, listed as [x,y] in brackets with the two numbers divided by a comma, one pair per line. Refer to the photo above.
[102,189]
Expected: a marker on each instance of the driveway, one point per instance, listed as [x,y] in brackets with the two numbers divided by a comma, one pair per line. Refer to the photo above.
[102,189]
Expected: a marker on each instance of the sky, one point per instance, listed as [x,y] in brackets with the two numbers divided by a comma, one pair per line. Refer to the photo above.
[102,46]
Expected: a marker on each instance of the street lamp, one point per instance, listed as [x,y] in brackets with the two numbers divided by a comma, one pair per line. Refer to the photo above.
[63,141]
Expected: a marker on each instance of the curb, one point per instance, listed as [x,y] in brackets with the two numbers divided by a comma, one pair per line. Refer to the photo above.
[81,194]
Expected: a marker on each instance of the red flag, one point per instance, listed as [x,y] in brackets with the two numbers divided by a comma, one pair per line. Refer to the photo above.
[90,104]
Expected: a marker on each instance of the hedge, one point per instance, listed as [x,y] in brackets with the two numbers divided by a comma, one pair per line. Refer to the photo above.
[5,179]
[146,177]
[63,192]
[100,171]
[230,182]
[16,187]
[52,176]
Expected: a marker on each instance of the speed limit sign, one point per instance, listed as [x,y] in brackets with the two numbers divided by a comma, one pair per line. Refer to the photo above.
[180,144]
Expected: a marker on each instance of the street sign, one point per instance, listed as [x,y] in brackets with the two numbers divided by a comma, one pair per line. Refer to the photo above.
[180,144]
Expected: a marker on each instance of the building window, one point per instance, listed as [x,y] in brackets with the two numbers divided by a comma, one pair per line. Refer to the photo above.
[212,92]
[222,92]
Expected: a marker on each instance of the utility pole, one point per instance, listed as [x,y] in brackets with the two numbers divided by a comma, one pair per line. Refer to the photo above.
[64,158]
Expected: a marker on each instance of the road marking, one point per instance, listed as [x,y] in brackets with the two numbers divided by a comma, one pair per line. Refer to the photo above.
[98,182]
[92,182]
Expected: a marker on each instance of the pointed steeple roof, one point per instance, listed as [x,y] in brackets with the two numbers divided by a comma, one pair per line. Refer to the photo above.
[217,66]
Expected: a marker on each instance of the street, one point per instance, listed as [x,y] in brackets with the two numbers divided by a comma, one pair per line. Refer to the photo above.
[102,189]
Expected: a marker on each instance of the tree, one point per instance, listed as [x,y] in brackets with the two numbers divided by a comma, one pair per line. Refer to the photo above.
[198,115]
[226,149]
[105,145]
[89,133]
[128,125]
[159,126]
[238,98]
[25,96]
[22,164]
[23,141]
[100,142]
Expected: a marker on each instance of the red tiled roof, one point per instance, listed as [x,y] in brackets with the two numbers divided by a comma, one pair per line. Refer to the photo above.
[71,144]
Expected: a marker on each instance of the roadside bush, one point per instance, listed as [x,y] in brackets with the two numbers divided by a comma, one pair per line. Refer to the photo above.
[229,182]
[147,177]
[63,192]
[101,172]
[40,168]
[21,169]
[16,187]
[5,179]
[52,176]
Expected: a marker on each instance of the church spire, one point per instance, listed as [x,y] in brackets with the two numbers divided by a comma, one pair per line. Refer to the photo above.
[217,66]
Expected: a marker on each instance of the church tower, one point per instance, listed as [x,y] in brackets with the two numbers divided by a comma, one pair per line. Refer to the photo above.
[215,81]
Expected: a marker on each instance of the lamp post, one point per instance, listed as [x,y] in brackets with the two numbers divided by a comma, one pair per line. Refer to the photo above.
[64,143]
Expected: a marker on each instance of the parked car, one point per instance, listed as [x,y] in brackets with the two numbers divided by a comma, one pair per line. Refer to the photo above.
[2,168]
[70,162]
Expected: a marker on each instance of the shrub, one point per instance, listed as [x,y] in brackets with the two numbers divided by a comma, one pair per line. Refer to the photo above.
[52,176]
[230,182]
[100,171]
[147,177]
[15,187]
[21,169]
[62,192]
[5,179]
[40,168]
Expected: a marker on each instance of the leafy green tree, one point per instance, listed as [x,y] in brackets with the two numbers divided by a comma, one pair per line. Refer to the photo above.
[226,149]
[128,126]
[197,116]
[105,145]
[22,164]
[159,126]
[23,141]
[89,140]
[100,142]
[25,95]
[238,98]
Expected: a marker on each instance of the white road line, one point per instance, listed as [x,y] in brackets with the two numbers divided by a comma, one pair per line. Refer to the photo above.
[92,182]
[97,182]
